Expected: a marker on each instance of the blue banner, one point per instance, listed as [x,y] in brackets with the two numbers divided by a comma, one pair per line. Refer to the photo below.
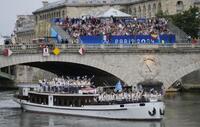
[141,20]
[132,39]
[91,39]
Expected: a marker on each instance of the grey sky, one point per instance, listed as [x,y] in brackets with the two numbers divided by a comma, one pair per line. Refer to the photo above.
[9,9]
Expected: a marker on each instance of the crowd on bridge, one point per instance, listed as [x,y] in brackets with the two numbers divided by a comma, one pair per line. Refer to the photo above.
[93,26]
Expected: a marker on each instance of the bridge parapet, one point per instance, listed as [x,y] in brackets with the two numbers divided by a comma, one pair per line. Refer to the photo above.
[108,48]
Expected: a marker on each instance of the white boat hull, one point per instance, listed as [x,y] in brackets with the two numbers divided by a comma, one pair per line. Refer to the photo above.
[131,111]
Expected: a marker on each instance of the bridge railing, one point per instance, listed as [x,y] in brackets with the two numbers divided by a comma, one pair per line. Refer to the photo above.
[36,48]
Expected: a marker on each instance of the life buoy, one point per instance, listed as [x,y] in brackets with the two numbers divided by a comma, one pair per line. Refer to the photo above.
[162,112]
[153,112]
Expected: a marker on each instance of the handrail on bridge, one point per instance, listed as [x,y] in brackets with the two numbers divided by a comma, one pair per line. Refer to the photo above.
[35,48]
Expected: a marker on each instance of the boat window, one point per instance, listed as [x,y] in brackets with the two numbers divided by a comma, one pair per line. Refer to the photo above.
[82,102]
[86,101]
[76,103]
[70,103]
[121,105]
[59,101]
[142,104]
[31,89]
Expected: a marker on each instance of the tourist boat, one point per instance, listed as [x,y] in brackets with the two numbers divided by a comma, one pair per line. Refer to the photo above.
[88,104]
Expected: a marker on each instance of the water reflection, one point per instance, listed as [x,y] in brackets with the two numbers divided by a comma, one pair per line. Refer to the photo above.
[46,120]
[182,110]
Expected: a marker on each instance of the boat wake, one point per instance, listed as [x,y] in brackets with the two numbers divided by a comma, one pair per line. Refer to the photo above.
[9,104]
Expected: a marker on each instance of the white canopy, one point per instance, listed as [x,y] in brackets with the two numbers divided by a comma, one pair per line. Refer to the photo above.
[1,40]
[113,12]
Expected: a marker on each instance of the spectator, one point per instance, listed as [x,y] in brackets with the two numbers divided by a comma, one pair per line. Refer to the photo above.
[91,26]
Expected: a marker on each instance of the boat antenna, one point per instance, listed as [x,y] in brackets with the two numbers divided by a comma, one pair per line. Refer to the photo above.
[92,77]
[104,84]
[107,84]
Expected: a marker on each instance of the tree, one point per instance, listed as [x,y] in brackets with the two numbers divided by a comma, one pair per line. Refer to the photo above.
[188,21]
[161,14]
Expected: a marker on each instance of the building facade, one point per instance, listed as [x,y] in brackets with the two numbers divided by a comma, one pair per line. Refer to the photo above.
[138,8]
[24,28]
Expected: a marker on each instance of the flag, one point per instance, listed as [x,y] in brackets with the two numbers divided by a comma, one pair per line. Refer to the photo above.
[154,36]
[88,90]
[118,87]
[7,52]
[56,51]
[82,51]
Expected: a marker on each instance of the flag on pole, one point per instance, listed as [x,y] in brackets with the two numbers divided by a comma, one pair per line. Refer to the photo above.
[118,87]
[7,52]
[154,36]
[82,51]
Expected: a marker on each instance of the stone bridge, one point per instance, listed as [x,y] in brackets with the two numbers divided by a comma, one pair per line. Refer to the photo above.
[130,63]
[7,73]
[7,76]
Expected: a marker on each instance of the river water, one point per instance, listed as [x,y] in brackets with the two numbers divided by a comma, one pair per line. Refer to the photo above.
[182,110]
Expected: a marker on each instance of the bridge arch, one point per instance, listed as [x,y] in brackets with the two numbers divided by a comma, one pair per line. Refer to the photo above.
[83,61]
[180,73]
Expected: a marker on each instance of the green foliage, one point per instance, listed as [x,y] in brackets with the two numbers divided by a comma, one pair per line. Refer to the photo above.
[161,14]
[188,21]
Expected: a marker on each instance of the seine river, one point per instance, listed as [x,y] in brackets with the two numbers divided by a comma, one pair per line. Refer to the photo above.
[182,110]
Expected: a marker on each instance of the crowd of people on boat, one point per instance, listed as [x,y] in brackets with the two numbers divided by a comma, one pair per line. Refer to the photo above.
[133,96]
[69,85]
[104,97]
[113,26]
[83,85]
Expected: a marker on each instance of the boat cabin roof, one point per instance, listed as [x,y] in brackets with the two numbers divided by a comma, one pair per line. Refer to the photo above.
[28,86]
